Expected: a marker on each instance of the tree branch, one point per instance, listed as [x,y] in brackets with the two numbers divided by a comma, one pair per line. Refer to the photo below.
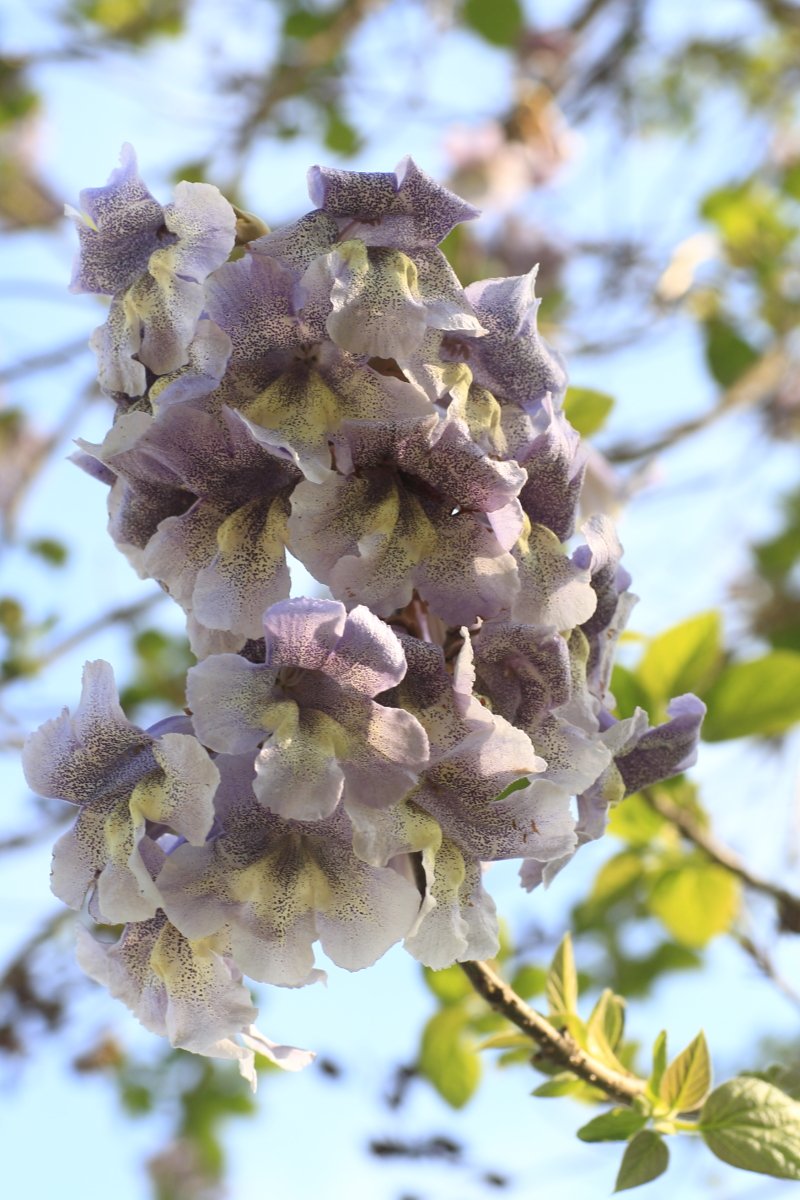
[693,831]
[559,1046]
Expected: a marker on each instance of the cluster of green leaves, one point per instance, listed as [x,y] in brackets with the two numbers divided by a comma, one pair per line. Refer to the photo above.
[758,696]
[159,673]
[747,1122]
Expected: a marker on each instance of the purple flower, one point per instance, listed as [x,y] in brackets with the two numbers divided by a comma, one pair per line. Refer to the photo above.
[415,505]
[513,361]
[405,208]
[286,377]
[308,715]
[533,680]
[202,507]
[123,781]
[153,261]
[272,887]
[479,799]
[189,992]
[555,464]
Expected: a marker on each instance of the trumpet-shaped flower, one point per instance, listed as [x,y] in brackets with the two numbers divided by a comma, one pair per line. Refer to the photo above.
[123,780]
[308,716]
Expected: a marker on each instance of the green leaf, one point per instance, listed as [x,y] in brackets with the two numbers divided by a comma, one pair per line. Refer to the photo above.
[517,785]
[684,659]
[616,876]
[53,552]
[627,691]
[753,1125]
[636,821]
[528,981]
[562,1084]
[791,181]
[659,1062]
[508,1041]
[497,21]
[448,1059]
[304,24]
[727,353]
[687,1080]
[450,985]
[340,136]
[645,1158]
[562,980]
[784,1076]
[587,409]
[605,1027]
[757,697]
[614,1126]
[696,901]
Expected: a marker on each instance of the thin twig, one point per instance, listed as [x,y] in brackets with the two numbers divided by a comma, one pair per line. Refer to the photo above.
[749,391]
[291,78]
[114,616]
[559,1046]
[43,360]
[693,831]
[765,965]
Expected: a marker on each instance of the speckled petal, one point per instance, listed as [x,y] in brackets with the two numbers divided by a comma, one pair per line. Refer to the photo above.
[461,924]
[554,589]
[228,697]
[248,572]
[555,464]
[402,208]
[512,361]
[78,757]
[123,228]
[274,886]
[209,352]
[666,750]
[185,991]
[116,344]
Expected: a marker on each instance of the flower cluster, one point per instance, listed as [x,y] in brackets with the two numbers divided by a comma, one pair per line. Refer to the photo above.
[349,763]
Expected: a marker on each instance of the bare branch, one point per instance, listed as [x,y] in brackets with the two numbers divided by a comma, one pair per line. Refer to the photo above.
[559,1046]
[693,831]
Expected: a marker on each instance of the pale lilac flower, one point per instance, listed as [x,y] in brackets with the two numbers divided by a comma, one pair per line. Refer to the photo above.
[271,887]
[308,715]
[187,991]
[404,208]
[481,798]
[414,504]
[153,261]
[202,507]
[286,377]
[513,361]
[123,779]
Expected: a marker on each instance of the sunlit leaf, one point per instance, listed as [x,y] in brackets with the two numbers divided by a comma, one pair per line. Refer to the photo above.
[684,658]
[562,980]
[497,21]
[687,1080]
[587,409]
[614,1126]
[728,354]
[659,1062]
[757,697]
[448,1058]
[450,985]
[696,901]
[753,1125]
